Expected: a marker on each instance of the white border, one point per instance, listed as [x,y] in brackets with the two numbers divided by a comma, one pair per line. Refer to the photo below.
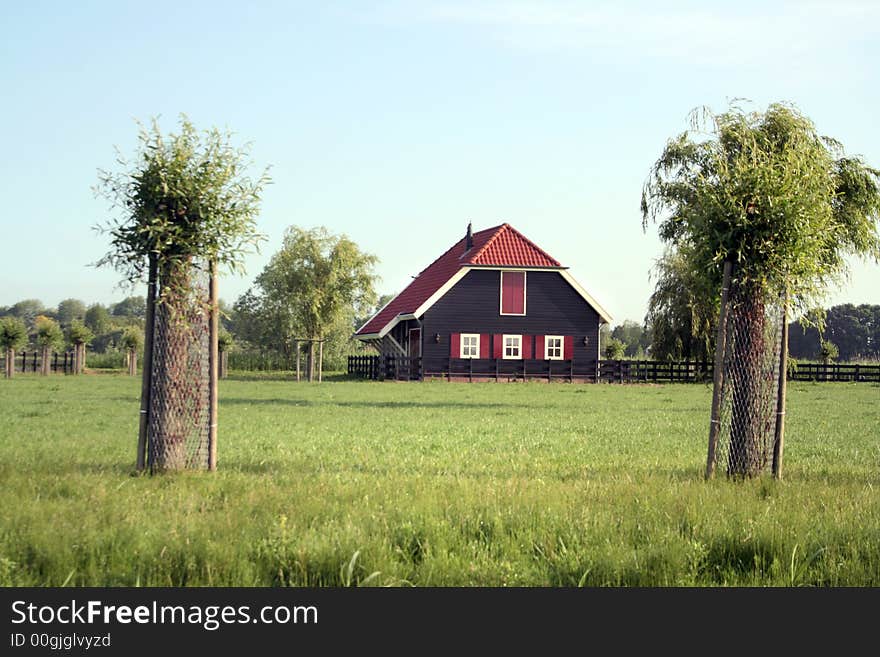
[561,339]
[461,338]
[504,337]
[501,292]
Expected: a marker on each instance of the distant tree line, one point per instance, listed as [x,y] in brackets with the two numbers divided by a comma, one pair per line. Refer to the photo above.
[674,330]
[99,327]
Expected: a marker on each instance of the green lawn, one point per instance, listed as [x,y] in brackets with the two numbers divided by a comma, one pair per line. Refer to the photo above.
[434,484]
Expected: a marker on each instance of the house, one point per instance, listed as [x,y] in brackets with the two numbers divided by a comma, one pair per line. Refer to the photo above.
[493,303]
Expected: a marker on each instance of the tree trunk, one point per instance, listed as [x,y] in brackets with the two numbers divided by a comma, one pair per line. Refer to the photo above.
[746,424]
[223,364]
[44,362]
[310,365]
[132,362]
[82,358]
[320,361]
[10,363]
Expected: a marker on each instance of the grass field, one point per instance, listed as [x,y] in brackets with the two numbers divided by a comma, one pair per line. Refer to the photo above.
[349,483]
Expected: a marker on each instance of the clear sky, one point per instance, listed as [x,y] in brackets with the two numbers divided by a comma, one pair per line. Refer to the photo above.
[397,122]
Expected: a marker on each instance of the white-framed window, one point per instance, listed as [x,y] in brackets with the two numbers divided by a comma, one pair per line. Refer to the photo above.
[553,347]
[511,347]
[470,345]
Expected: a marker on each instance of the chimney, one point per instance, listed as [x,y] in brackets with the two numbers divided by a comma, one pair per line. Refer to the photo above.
[468,239]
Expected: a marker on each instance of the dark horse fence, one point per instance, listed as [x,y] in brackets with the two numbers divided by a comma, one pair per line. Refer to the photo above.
[400,368]
[33,362]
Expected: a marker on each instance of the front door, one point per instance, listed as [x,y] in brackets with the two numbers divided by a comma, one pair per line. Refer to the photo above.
[415,352]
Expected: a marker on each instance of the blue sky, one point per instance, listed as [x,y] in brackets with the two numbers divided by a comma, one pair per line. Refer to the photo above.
[397,122]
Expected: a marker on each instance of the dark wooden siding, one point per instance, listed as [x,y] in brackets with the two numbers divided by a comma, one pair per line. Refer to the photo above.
[473,306]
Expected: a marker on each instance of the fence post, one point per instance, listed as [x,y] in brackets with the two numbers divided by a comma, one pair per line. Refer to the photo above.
[718,379]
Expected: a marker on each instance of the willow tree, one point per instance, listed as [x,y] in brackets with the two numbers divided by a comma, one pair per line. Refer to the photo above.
[185,206]
[79,335]
[784,206]
[316,282]
[681,311]
[13,336]
[131,342]
[49,337]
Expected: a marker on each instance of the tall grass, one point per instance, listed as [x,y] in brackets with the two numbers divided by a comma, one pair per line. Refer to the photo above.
[349,483]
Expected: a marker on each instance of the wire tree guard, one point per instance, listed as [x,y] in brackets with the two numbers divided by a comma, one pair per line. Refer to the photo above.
[179,395]
[748,405]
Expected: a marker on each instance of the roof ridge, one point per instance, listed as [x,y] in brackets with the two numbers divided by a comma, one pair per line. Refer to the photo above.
[498,230]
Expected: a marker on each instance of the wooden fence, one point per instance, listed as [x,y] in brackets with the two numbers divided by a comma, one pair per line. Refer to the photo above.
[605,371]
[32,362]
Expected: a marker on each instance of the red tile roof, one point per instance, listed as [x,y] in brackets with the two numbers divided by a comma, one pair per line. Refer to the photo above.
[501,246]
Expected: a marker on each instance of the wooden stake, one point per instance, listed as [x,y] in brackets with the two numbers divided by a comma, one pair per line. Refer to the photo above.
[214,332]
[146,381]
[320,361]
[296,347]
[718,376]
[779,438]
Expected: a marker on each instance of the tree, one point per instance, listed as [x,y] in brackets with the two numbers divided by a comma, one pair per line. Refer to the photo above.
[97,318]
[784,205]
[186,205]
[633,336]
[13,336]
[225,342]
[131,341]
[614,349]
[316,282]
[79,335]
[681,311]
[28,310]
[69,310]
[49,338]
[130,307]
[381,302]
[828,351]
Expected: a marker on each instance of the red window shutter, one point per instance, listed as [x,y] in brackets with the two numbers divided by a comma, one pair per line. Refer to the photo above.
[498,346]
[513,292]
[539,347]
[455,345]
[568,349]
[528,343]
[484,346]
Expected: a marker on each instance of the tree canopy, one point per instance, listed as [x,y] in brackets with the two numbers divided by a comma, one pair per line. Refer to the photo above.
[69,310]
[13,332]
[767,192]
[682,311]
[48,333]
[184,195]
[316,279]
